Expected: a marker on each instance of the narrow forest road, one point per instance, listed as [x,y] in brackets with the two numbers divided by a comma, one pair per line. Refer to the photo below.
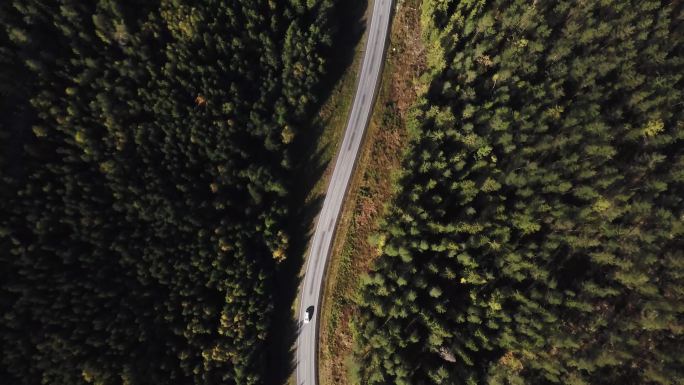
[321,243]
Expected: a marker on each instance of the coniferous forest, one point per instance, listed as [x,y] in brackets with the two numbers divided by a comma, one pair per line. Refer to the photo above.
[146,171]
[538,234]
[145,165]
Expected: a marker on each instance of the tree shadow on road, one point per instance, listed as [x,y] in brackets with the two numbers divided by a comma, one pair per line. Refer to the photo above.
[309,163]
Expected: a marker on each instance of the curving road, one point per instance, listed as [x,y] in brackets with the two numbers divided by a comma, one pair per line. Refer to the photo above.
[310,295]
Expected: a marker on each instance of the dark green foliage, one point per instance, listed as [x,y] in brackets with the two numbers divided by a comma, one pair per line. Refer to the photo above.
[539,234]
[144,197]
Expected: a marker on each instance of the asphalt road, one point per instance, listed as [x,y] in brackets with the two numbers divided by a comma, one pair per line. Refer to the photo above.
[307,340]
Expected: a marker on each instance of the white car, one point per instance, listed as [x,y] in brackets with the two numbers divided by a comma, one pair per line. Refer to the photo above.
[308,315]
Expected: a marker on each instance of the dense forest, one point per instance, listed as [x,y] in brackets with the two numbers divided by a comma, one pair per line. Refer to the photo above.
[145,162]
[538,235]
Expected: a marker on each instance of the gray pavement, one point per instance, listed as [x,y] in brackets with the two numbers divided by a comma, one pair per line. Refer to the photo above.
[312,283]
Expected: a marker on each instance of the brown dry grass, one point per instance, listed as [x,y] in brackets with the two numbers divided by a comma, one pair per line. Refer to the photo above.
[372,188]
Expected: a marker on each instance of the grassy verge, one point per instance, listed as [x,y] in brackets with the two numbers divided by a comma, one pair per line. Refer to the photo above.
[332,121]
[333,114]
[372,188]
